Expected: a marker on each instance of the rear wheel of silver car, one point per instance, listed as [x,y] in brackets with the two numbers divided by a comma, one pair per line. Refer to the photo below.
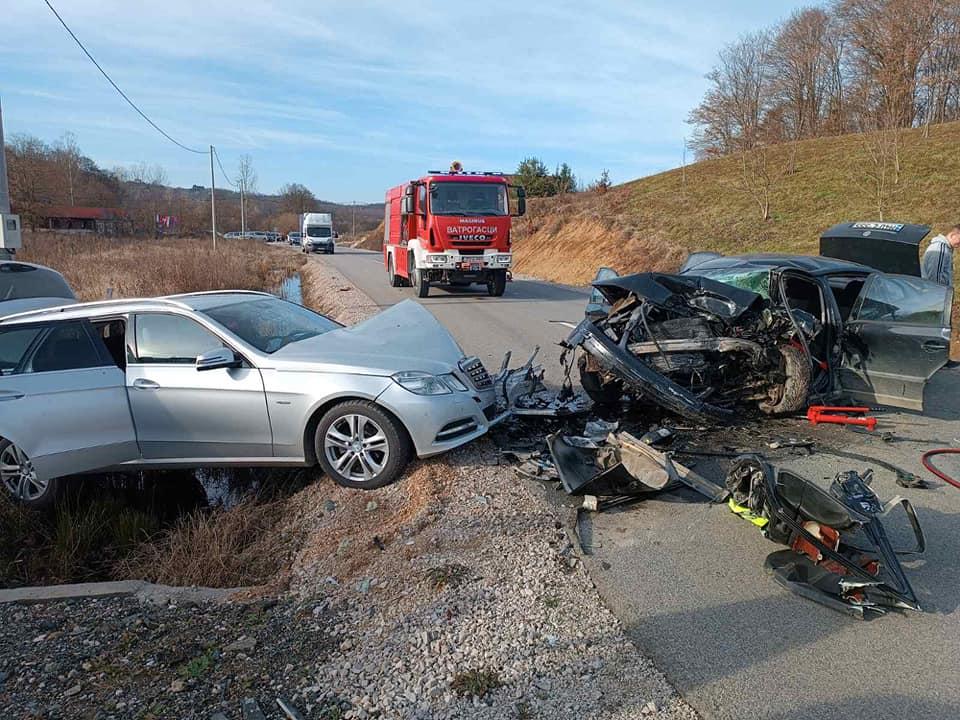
[19,478]
[361,446]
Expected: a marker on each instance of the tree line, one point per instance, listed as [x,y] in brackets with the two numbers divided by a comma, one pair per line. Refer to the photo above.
[853,66]
[537,180]
[44,175]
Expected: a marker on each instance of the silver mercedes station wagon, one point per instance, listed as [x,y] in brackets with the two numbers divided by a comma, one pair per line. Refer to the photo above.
[229,379]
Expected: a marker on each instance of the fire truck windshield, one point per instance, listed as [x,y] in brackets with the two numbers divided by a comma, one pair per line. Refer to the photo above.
[460,198]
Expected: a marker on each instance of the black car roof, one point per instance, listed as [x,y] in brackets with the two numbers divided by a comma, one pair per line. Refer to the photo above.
[814,265]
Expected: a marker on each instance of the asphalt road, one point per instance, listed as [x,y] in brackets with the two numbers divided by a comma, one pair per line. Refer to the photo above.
[687,578]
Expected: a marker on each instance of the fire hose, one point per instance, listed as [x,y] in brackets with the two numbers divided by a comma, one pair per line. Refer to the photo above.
[925,460]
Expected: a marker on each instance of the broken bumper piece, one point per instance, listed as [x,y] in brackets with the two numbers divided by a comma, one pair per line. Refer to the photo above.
[838,551]
[622,467]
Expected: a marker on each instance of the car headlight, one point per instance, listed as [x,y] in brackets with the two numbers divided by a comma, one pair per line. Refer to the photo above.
[503,258]
[421,383]
[453,382]
[436,258]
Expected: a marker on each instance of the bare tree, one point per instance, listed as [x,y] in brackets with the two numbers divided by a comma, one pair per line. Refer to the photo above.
[68,157]
[730,116]
[761,172]
[296,198]
[246,175]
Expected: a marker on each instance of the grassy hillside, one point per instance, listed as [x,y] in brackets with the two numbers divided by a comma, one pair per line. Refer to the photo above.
[652,223]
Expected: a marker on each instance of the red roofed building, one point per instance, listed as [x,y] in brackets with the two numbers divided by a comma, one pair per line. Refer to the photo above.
[94,220]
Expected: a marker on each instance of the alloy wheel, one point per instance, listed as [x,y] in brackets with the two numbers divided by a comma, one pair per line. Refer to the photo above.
[356,447]
[18,475]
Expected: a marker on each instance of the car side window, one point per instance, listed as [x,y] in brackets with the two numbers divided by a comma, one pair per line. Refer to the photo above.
[65,346]
[172,339]
[14,344]
[903,299]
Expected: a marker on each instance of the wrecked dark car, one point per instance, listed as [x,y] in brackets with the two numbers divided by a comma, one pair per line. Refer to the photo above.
[838,552]
[771,332]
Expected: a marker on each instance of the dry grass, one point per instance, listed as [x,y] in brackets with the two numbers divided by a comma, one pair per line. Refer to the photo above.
[242,546]
[146,268]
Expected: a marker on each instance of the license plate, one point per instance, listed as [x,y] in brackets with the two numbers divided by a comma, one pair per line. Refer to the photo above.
[475,267]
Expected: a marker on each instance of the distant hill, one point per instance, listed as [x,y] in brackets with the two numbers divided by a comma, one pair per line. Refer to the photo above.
[652,223]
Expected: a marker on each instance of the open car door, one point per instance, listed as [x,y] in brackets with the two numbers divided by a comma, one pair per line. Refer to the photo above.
[896,338]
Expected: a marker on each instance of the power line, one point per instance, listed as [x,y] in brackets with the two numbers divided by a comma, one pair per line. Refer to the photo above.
[117,87]
[225,176]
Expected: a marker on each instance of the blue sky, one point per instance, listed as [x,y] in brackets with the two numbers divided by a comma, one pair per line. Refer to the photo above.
[352,97]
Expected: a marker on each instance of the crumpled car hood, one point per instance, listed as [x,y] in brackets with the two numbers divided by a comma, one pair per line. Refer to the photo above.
[403,337]
[673,291]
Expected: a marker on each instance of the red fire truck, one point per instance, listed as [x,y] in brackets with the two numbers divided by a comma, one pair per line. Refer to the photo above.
[450,228]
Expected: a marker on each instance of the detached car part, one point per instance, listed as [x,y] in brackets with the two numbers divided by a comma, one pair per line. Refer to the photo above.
[695,346]
[839,554]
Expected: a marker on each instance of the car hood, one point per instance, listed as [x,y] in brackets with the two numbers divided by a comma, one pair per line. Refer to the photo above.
[670,291]
[13,307]
[403,337]
[884,246]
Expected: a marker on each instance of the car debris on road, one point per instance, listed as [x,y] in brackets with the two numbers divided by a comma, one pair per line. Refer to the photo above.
[839,554]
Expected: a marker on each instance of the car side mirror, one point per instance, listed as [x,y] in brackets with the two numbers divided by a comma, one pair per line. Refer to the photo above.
[217,359]
[406,205]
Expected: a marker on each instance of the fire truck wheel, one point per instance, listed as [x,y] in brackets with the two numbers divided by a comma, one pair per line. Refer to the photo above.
[420,283]
[392,277]
[497,283]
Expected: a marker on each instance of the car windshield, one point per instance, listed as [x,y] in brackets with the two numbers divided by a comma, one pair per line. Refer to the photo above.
[757,281]
[19,281]
[461,198]
[269,324]
[320,232]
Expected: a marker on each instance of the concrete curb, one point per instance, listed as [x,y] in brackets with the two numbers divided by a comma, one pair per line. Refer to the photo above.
[143,591]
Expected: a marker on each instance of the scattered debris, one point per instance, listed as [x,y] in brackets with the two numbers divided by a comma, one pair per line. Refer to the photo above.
[288,709]
[839,554]
[250,710]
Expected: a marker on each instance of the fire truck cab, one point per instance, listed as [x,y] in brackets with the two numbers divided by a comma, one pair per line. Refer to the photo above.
[450,229]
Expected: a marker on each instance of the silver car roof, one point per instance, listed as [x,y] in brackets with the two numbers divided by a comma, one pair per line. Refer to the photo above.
[197,301]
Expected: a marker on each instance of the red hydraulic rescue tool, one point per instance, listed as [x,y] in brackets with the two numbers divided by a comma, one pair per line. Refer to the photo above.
[828,414]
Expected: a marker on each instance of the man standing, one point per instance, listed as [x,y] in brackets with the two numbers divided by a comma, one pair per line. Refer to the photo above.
[937,263]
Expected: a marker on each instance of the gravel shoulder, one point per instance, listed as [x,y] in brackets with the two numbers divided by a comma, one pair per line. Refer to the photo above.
[454,593]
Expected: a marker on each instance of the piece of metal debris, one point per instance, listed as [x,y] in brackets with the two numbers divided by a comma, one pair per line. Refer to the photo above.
[288,709]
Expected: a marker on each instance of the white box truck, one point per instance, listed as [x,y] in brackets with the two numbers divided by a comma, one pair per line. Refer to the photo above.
[316,233]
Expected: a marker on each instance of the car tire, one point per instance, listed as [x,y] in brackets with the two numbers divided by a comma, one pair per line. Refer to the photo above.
[600,392]
[796,387]
[420,283]
[351,426]
[497,283]
[21,484]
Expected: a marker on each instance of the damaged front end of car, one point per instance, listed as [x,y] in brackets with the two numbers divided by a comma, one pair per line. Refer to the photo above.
[696,347]
[838,552]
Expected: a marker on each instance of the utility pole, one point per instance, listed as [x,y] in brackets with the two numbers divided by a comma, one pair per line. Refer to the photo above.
[243,217]
[213,201]
[4,188]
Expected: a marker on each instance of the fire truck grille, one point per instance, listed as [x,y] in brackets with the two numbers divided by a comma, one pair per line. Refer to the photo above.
[477,372]
[473,243]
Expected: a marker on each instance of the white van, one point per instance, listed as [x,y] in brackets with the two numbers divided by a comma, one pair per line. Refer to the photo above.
[317,233]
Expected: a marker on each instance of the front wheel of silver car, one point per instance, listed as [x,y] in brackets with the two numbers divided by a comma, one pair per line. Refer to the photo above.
[361,446]
[19,478]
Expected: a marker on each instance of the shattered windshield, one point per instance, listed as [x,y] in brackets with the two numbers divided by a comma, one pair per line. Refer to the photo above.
[269,324]
[757,281]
